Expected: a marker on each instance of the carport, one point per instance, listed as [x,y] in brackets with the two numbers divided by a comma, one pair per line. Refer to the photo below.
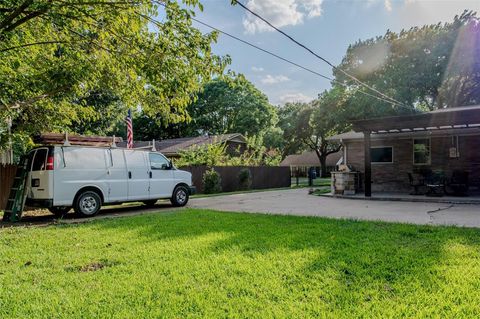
[449,121]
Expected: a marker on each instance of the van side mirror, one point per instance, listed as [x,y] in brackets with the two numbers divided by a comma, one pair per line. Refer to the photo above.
[169,165]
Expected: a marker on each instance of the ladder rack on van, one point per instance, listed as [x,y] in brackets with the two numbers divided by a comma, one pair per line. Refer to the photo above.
[66,139]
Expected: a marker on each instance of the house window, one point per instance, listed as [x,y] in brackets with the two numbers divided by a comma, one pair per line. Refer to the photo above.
[381,154]
[453,151]
[421,151]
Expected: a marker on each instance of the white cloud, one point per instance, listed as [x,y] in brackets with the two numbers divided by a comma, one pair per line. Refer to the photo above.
[388,5]
[294,97]
[280,13]
[274,79]
[257,69]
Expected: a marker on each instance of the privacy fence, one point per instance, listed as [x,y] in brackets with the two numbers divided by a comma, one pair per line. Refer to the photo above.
[262,176]
[7,175]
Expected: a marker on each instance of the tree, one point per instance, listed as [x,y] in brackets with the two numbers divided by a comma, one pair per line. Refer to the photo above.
[54,53]
[319,120]
[288,116]
[147,128]
[106,109]
[231,104]
[424,68]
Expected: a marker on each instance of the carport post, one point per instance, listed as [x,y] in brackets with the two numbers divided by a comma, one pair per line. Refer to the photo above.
[368,164]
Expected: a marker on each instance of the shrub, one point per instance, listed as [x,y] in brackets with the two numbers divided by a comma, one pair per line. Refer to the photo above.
[245,179]
[212,182]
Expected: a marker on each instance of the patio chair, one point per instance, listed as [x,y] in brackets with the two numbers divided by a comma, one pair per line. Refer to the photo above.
[416,184]
[436,184]
[458,183]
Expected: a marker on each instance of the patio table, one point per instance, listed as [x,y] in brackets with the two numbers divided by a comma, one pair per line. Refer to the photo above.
[435,190]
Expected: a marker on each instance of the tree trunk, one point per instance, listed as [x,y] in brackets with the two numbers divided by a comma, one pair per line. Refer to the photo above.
[323,165]
[322,158]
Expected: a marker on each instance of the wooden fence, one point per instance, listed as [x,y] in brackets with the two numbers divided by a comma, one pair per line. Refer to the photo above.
[262,176]
[7,175]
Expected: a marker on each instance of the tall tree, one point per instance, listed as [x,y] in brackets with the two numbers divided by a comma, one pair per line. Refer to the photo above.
[425,68]
[54,53]
[231,104]
[319,120]
[288,117]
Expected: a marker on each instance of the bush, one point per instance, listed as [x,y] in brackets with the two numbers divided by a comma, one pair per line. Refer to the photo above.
[245,179]
[212,182]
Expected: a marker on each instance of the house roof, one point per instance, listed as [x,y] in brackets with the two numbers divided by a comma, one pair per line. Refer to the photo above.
[175,145]
[309,159]
[448,118]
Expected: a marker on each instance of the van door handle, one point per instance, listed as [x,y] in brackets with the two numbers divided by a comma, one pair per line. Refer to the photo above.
[150,174]
[129,174]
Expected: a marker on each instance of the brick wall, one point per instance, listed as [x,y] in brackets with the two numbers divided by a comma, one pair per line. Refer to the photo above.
[393,176]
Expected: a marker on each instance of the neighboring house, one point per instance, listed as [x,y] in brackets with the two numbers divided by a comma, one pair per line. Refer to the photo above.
[445,140]
[300,163]
[235,142]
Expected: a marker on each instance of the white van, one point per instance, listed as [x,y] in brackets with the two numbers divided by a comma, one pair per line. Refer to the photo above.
[85,178]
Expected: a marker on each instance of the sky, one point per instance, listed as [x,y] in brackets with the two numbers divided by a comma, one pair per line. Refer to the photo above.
[325,26]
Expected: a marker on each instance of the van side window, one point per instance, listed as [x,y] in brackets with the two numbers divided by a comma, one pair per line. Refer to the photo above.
[157,161]
[40,160]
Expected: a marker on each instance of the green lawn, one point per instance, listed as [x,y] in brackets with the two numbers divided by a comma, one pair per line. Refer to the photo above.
[303,182]
[198,263]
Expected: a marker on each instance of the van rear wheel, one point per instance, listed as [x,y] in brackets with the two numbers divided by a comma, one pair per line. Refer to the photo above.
[87,204]
[59,211]
[180,196]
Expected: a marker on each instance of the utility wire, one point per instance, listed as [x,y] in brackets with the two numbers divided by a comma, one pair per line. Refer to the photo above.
[318,56]
[157,23]
[290,62]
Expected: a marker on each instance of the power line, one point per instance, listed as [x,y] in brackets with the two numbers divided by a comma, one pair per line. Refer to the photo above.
[157,23]
[289,61]
[318,56]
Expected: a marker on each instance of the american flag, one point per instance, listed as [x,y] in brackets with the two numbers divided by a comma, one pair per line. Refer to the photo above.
[128,120]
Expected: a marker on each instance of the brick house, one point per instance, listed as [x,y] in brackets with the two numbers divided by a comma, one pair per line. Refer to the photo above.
[445,140]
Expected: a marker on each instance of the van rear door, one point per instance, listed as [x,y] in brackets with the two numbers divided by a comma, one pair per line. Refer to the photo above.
[138,175]
[41,174]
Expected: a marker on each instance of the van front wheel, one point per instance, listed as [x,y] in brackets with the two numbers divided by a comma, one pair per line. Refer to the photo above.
[180,196]
[87,204]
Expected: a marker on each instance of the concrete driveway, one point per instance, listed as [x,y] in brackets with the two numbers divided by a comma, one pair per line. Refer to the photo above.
[298,202]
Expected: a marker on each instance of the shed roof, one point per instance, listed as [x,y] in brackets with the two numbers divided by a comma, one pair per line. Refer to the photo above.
[448,118]
[352,136]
